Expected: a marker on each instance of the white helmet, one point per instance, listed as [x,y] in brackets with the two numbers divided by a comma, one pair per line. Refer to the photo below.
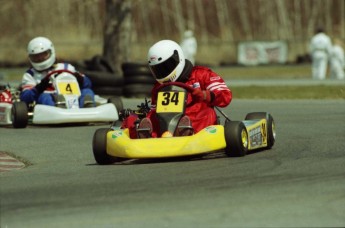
[166,61]
[41,53]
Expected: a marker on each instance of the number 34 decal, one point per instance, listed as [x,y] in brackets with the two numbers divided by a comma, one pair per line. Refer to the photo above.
[170,101]
[170,97]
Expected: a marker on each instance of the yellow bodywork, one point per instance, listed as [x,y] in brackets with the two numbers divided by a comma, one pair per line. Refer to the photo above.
[119,144]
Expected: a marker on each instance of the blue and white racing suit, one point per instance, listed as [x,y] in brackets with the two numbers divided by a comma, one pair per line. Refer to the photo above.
[33,77]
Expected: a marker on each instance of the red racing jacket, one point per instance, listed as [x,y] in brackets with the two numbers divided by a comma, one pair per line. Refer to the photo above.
[202,114]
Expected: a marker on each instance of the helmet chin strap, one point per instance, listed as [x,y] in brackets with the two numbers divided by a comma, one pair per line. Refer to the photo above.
[170,78]
[187,70]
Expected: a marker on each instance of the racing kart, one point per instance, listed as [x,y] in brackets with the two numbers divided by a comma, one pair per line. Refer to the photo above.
[19,114]
[236,138]
[8,96]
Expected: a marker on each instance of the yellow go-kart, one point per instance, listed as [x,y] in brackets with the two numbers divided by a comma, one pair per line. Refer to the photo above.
[236,138]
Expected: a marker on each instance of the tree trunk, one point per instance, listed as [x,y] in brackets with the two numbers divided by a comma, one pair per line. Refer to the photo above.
[342,22]
[191,15]
[243,9]
[202,20]
[166,17]
[179,19]
[117,32]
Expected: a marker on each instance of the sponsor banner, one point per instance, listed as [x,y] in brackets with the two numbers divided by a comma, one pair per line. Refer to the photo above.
[261,52]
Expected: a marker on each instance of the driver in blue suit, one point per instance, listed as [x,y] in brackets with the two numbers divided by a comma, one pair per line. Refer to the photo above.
[36,87]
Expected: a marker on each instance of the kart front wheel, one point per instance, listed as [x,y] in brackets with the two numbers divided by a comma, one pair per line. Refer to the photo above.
[271,132]
[19,115]
[236,137]
[99,147]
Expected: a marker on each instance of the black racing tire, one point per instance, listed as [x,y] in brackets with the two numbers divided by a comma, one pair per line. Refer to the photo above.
[139,79]
[137,90]
[236,137]
[19,115]
[99,147]
[141,70]
[99,63]
[132,69]
[271,133]
[99,78]
[128,66]
[108,90]
[117,101]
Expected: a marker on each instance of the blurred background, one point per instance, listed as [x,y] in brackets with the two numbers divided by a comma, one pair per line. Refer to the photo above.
[79,29]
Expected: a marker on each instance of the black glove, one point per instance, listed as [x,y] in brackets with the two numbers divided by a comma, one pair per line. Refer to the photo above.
[80,79]
[124,113]
[43,85]
[144,108]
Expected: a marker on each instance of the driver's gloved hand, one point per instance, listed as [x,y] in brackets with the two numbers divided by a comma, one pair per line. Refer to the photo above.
[80,79]
[43,85]
[144,109]
[203,95]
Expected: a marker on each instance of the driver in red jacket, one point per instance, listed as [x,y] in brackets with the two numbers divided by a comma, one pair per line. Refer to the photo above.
[168,64]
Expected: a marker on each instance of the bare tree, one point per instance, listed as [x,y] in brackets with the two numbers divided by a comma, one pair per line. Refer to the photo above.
[202,20]
[180,22]
[243,9]
[113,28]
[116,41]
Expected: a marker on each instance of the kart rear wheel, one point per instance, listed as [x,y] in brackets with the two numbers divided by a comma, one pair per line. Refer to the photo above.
[19,115]
[236,137]
[271,132]
[99,147]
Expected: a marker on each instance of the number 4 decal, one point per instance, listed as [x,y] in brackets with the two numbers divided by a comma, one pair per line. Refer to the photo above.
[69,88]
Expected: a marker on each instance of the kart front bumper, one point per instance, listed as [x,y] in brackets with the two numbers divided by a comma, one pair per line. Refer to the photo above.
[44,114]
[207,140]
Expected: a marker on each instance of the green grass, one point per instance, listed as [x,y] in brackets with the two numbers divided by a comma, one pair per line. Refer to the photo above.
[289,92]
[265,72]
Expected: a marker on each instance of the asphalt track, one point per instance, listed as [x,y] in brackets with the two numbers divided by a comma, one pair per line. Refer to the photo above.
[298,183]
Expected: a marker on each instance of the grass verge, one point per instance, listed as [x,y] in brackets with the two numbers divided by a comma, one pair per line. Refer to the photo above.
[289,92]
[302,71]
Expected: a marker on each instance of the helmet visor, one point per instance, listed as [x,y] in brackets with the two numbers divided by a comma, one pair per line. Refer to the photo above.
[165,68]
[40,57]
